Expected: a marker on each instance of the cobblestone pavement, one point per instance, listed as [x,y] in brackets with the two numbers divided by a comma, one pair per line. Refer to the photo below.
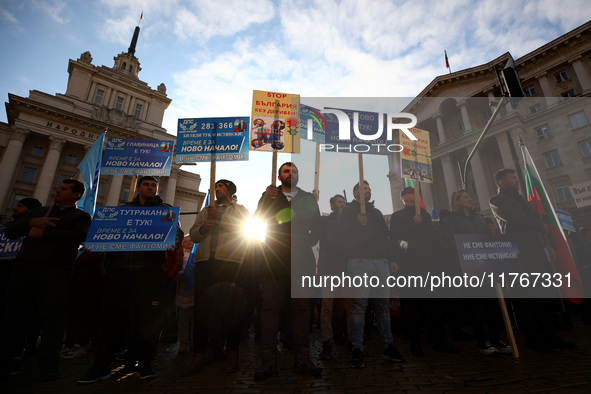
[467,371]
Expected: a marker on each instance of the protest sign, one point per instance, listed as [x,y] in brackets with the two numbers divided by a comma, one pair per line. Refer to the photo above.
[116,229]
[225,138]
[488,253]
[312,124]
[275,122]
[581,194]
[415,157]
[9,247]
[137,157]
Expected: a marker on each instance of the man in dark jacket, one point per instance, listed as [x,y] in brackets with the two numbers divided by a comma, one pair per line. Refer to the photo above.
[369,251]
[515,216]
[132,288]
[42,272]
[293,221]
[422,255]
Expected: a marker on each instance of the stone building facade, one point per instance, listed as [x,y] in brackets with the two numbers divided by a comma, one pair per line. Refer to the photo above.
[552,121]
[47,135]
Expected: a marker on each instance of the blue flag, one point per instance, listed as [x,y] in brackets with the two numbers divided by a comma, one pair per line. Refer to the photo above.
[90,167]
[345,195]
[434,213]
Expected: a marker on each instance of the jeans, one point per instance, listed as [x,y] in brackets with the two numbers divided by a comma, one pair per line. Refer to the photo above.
[372,267]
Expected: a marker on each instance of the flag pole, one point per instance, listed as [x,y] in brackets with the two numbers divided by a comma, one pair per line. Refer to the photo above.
[317,173]
[361,189]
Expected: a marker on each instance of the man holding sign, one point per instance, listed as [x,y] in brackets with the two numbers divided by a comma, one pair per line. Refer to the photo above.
[293,227]
[133,287]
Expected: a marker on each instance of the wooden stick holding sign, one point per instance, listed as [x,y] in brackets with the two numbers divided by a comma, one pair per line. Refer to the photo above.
[507,321]
[317,173]
[212,163]
[417,197]
[274,166]
[361,191]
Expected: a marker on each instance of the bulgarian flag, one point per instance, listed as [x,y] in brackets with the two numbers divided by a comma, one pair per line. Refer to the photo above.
[410,183]
[540,203]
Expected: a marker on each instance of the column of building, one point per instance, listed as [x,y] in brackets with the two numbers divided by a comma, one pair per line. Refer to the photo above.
[10,160]
[46,178]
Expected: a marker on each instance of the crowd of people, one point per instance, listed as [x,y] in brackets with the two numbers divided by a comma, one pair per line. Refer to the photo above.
[216,283]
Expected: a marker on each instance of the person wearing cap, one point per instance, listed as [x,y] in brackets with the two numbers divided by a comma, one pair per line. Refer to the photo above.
[42,272]
[422,255]
[219,230]
[132,293]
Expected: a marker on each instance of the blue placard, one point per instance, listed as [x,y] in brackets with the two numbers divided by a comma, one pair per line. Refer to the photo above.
[116,229]
[566,220]
[137,157]
[312,124]
[212,139]
[368,124]
[9,247]
[488,253]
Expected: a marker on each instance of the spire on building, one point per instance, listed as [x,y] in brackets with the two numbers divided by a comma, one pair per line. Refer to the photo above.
[136,33]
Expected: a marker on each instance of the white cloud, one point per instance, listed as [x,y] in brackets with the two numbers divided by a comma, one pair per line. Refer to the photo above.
[8,17]
[57,10]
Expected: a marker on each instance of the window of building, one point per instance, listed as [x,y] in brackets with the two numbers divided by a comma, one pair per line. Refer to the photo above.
[71,159]
[561,76]
[119,103]
[98,97]
[570,93]
[578,120]
[28,175]
[586,148]
[130,68]
[529,91]
[535,108]
[461,126]
[562,191]
[138,111]
[124,195]
[543,132]
[552,159]
[37,151]
[101,189]
[124,65]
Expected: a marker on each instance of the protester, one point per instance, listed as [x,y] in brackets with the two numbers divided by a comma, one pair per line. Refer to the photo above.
[172,267]
[219,230]
[41,275]
[132,292]
[370,251]
[515,216]
[331,262]
[422,255]
[463,219]
[292,218]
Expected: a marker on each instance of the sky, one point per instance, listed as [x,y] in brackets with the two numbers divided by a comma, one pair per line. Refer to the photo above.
[211,55]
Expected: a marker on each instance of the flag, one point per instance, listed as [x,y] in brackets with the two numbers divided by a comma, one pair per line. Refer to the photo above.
[345,195]
[90,167]
[410,183]
[446,60]
[434,213]
[540,203]
[189,271]
[142,15]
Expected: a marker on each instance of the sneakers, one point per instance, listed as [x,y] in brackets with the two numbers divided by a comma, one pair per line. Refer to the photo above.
[357,358]
[145,371]
[303,365]
[267,367]
[502,347]
[326,350]
[95,374]
[486,348]
[392,354]
[73,352]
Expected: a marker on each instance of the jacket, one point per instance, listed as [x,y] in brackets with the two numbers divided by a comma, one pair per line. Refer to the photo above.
[58,247]
[231,242]
[292,229]
[371,241]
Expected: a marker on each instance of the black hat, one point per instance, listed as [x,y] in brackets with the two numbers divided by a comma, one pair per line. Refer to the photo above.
[407,190]
[30,202]
[229,184]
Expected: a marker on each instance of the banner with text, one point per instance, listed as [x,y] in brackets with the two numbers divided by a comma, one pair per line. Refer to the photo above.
[275,122]
[200,138]
[9,247]
[116,229]
[312,124]
[137,157]
[415,158]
